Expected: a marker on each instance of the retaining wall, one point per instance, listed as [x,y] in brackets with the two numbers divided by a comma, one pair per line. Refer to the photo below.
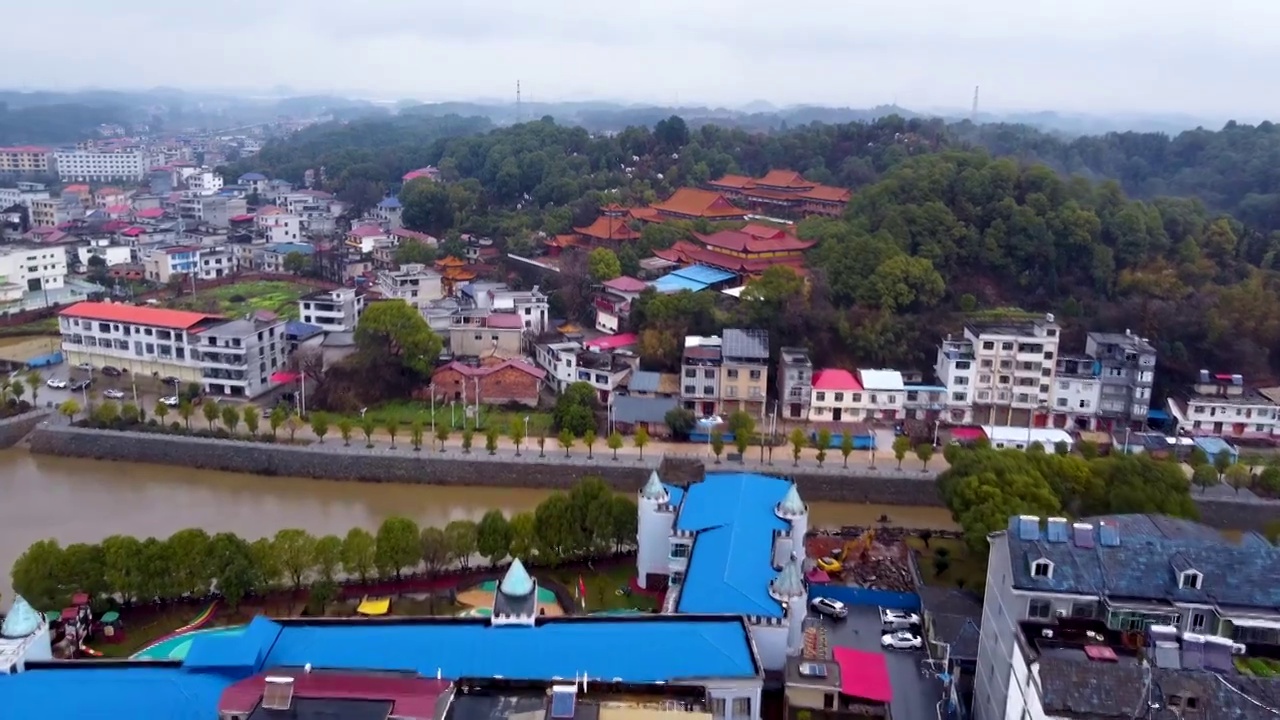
[13,429]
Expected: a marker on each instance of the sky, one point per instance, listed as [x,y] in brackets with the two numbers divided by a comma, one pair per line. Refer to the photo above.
[1096,56]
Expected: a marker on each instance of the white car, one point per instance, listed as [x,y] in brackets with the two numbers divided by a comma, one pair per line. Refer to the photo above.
[829,607]
[113,394]
[85,366]
[56,383]
[902,640]
[899,619]
[170,401]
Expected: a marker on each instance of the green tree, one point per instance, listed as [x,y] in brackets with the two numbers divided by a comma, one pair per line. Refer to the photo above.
[157,576]
[263,552]
[295,549]
[491,439]
[1269,480]
[367,425]
[161,411]
[924,451]
[185,411]
[901,446]
[602,265]
[846,445]
[17,389]
[320,426]
[416,434]
[322,592]
[189,550]
[1197,457]
[1127,484]
[210,411]
[822,441]
[1238,477]
[524,536]
[463,538]
[589,440]
[412,251]
[252,419]
[591,509]
[566,441]
[468,437]
[397,546]
[1221,462]
[493,537]
[433,551]
[516,431]
[442,435]
[120,555]
[1088,449]
[984,488]
[717,444]
[428,206]
[231,560]
[640,439]
[277,419]
[296,263]
[614,442]
[680,421]
[82,570]
[230,417]
[359,554]
[624,522]
[328,557]
[293,424]
[107,413]
[798,442]
[558,535]
[393,333]
[33,382]
[391,426]
[69,408]
[1205,477]
[36,575]
[743,427]
[575,409]
[346,426]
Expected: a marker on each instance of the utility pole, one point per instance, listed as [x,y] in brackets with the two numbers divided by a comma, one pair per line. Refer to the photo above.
[973,116]
[519,113]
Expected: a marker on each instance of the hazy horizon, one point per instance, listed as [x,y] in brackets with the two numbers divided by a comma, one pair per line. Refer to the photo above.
[1087,57]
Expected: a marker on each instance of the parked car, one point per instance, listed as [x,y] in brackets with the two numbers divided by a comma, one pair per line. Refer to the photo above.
[902,640]
[113,394]
[171,380]
[85,366]
[81,384]
[56,383]
[898,619]
[111,371]
[829,607]
[829,565]
[169,401]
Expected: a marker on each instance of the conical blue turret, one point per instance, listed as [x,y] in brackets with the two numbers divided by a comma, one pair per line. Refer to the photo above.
[516,583]
[21,621]
[653,489]
[791,504]
[789,583]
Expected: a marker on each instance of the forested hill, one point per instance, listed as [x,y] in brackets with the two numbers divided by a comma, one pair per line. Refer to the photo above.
[1235,169]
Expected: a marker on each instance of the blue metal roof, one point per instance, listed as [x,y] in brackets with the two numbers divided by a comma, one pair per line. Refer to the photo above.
[674,283]
[731,564]
[643,381]
[704,274]
[286,248]
[390,202]
[92,691]
[1146,560]
[251,177]
[1214,445]
[301,330]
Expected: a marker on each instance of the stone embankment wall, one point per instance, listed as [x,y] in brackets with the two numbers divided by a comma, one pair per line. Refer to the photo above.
[13,429]
[332,461]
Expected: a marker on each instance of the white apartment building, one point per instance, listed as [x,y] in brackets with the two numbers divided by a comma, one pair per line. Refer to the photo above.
[216,263]
[22,195]
[26,269]
[110,253]
[414,283]
[51,212]
[1076,395]
[204,182]
[560,360]
[102,166]
[1221,405]
[1000,373]
[530,305]
[235,358]
[882,394]
[26,160]
[835,396]
[332,310]
[279,227]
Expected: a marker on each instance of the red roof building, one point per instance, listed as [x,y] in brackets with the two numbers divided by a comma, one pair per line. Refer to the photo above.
[747,252]
[511,381]
[693,203]
[136,315]
[607,229]
[836,379]
[328,692]
[784,192]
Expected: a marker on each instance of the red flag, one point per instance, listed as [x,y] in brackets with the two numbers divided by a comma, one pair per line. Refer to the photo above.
[582,589]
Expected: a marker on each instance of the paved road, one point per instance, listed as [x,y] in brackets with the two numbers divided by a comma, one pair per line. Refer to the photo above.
[915,696]
[148,389]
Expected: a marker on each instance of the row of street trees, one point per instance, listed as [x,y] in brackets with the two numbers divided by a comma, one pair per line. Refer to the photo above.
[588,521]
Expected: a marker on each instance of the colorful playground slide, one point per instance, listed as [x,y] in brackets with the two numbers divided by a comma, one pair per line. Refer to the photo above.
[200,621]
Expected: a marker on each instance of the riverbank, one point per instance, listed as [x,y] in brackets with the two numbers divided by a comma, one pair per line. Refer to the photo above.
[332,461]
[13,429]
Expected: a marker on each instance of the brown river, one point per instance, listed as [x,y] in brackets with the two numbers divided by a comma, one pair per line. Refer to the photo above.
[88,500]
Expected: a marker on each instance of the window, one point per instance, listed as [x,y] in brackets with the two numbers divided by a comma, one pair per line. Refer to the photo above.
[679,550]
[708,390]
[984,379]
[1041,609]
[839,397]
[820,397]
[1064,385]
[690,373]
[959,396]
[677,578]
[731,374]
[717,707]
[1042,569]
[988,345]
[1062,402]
[1190,580]
[742,707]
[1198,621]
[754,374]
[1083,610]
[855,397]
[1006,346]
[690,389]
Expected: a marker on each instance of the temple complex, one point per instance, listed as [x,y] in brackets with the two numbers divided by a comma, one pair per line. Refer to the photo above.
[453,274]
[747,252]
[784,193]
[693,204]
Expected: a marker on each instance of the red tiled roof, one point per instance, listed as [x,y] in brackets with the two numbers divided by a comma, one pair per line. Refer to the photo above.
[414,235]
[784,179]
[118,209]
[612,342]
[364,231]
[25,149]
[645,214]
[608,228]
[563,241]
[736,182]
[826,193]
[835,379]
[470,371]
[686,252]
[155,317]
[79,189]
[109,191]
[237,218]
[428,172]
[504,321]
[863,674]
[413,698]
[693,202]
[133,231]
[752,243]
[153,213]
[626,284]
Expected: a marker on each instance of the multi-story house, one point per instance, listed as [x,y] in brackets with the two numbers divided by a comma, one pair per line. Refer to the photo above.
[34,268]
[102,165]
[1125,616]
[278,226]
[795,382]
[332,310]
[700,374]
[204,182]
[26,160]
[613,302]
[238,358]
[560,360]
[23,194]
[215,210]
[1016,361]
[217,262]
[142,340]
[606,372]
[1076,393]
[271,258]
[1127,366]
[835,396]
[956,367]
[253,183]
[364,238]
[414,283]
[162,263]
[531,306]
[1223,406]
[110,252]
[51,212]
[924,402]
[498,335]
[882,393]
[744,380]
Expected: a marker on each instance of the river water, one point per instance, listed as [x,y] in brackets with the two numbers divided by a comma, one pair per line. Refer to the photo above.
[76,500]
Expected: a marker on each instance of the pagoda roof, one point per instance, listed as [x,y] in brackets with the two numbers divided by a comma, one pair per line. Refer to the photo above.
[783,185]
[686,252]
[450,261]
[562,241]
[606,227]
[694,202]
[826,193]
[784,179]
[744,241]
[645,214]
[737,182]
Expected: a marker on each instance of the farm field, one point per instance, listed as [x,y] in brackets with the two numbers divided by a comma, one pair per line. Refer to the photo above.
[277,296]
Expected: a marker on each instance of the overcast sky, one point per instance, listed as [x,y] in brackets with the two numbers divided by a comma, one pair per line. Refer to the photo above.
[1188,56]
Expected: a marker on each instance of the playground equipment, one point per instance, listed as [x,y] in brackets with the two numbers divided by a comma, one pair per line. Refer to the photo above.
[203,618]
[373,607]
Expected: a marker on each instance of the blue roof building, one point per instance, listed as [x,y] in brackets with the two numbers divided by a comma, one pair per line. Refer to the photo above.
[729,544]
[693,278]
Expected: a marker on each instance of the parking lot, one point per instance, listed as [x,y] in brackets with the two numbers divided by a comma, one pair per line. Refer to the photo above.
[915,695]
[149,390]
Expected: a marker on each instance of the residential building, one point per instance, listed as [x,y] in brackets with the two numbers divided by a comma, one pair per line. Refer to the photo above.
[278,226]
[700,374]
[509,382]
[613,302]
[631,412]
[390,211]
[648,384]
[795,382]
[253,183]
[784,193]
[23,194]
[31,268]
[747,532]
[237,358]
[1125,615]
[746,253]
[332,310]
[102,165]
[163,263]
[924,402]
[414,283]
[142,340]
[560,360]
[852,684]
[835,396]
[1127,366]
[51,212]
[744,364]
[1076,393]
[531,306]
[882,393]
[271,258]
[216,263]
[499,335]
[1003,369]
[110,253]
[204,182]
[1221,405]
[606,372]
[364,238]
[27,160]
[215,210]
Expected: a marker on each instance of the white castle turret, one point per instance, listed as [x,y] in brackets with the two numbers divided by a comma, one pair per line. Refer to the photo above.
[792,509]
[653,531]
[24,636]
[790,589]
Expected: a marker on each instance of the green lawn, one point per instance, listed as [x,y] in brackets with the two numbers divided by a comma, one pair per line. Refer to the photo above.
[47,326]
[603,586]
[404,412]
[140,636]
[278,296]
[963,569]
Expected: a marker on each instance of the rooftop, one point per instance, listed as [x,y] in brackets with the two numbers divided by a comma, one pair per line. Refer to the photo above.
[694,202]
[349,695]
[1140,557]
[731,563]
[888,380]
[1125,340]
[499,699]
[137,315]
[835,379]
[751,345]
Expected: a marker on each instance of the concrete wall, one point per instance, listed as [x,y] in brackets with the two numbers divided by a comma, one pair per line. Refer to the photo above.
[13,429]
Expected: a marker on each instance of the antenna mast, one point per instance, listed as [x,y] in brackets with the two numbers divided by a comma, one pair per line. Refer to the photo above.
[519,116]
[973,116]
